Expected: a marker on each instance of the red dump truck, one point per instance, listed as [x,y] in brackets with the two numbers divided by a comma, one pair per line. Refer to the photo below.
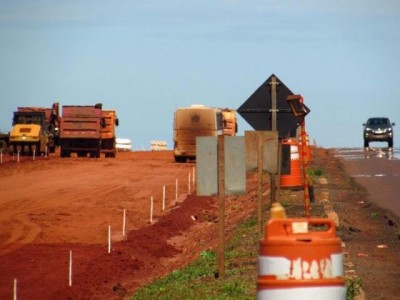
[80,131]
[108,141]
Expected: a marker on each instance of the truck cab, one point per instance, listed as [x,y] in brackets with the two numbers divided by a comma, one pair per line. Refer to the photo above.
[28,134]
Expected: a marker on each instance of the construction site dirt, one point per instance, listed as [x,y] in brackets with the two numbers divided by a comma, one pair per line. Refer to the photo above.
[55,211]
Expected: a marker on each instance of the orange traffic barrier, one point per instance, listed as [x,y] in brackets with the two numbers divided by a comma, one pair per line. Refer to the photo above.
[295,178]
[300,259]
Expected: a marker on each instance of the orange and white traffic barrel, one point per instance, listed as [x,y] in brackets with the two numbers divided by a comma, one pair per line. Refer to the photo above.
[300,259]
[295,178]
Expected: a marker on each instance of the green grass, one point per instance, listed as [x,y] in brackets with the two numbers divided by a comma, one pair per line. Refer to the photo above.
[197,280]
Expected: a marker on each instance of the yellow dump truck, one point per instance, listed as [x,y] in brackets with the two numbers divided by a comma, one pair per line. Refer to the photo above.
[108,142]
[193,121]
[230,126]
[35,129]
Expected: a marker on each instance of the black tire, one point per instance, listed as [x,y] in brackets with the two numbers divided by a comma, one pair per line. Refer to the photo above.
[3,146]
[65,153]
[390,143]
[180,159]
[95,154]
[366,144]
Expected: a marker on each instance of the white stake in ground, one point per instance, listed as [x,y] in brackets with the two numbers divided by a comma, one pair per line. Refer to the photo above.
[163,198]
[151,209]
[123,223]
[45,152]
[34,154]
[70,269]
[109,239]
[176,190]
[15,289]
[18,156]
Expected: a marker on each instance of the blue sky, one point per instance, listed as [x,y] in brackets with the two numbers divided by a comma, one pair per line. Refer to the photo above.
[147,58]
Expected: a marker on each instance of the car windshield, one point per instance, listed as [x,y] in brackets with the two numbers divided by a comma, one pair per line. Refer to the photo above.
[378,121]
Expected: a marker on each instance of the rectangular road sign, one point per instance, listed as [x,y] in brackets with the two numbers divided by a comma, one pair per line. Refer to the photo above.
[207,165]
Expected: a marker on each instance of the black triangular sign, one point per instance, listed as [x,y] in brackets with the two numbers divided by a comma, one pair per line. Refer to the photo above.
[256,110]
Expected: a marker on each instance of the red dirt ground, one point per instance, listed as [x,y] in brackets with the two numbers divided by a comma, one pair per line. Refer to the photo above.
[52,206]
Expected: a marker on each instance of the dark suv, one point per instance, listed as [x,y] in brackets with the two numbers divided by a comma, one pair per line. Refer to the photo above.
[378,130]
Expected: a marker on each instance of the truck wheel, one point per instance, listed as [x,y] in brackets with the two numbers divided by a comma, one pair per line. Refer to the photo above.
[64,153]
[180,159]
[390,143]
[3,146]
[366,144]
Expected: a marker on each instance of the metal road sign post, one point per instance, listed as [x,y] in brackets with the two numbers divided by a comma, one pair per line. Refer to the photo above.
[274,127]
[299,109]
[267,109]
[220,160]
[261,154]
[221,206]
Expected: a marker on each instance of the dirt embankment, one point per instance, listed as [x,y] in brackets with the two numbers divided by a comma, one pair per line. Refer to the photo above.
[49,207]
[52,206]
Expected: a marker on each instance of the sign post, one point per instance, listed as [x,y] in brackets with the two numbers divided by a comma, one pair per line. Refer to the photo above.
[221,206]
[299,109]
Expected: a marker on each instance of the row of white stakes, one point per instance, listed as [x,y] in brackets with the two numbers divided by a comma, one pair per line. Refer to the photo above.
[191,181]
[18,155]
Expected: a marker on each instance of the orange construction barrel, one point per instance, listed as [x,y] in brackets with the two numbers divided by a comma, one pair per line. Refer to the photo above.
[300,259]
[295,178]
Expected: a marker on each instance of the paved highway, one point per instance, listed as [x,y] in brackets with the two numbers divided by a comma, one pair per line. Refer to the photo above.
[378,170]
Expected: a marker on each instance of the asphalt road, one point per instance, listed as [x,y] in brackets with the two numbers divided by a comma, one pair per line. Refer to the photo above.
[378,171]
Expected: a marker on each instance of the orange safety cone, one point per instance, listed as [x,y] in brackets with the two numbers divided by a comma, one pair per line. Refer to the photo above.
[299,263]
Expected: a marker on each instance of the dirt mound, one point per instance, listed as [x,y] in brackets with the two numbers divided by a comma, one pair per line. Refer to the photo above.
[52,206]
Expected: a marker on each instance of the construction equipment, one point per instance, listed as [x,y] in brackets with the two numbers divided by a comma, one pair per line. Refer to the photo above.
[35,130]
[80,132]
[230,126]
[193,121]
[108,143]
[123,144]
